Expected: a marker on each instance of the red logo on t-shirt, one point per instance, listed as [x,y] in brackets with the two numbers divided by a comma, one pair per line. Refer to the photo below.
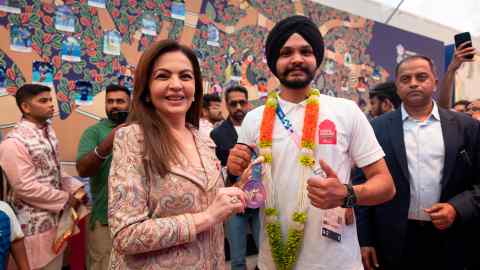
[327,132]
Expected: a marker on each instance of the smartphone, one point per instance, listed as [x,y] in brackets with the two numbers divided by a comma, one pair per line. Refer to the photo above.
[462,38]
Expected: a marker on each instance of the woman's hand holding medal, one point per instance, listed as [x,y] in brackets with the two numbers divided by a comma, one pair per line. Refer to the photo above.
[228,201]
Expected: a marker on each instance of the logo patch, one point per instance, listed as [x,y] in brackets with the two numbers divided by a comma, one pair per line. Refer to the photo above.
[327,132]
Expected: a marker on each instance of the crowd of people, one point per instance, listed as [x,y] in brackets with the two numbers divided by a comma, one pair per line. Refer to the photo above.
[315,183]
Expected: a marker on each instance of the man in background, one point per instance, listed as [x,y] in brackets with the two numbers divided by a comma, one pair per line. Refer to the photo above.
[225,137]
[461,106]
[433,156]
[41,190]
[473,109]
[383,99]
[211,113]
[93,160]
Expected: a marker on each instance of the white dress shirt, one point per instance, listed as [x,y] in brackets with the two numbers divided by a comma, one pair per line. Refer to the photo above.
[425,158]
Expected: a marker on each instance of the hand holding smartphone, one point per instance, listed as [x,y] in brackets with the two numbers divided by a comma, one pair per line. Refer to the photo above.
[461,39]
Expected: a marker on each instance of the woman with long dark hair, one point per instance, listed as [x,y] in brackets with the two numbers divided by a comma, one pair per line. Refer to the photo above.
[166,196]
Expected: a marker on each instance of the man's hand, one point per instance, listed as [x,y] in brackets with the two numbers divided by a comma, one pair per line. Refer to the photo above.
[72,202]
[81,195]
[369,258]
[459,56]
[105,147]
[238,159]
[442,215]
[326,193]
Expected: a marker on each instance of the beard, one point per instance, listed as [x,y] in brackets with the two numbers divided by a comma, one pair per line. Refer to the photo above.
[238,116]
[117,116]
[296,83]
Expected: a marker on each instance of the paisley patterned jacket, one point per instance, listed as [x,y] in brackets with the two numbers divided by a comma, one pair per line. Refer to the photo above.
[150,216]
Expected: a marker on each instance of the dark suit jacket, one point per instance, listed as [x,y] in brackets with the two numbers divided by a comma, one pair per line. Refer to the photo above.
[225,137]
[384,226]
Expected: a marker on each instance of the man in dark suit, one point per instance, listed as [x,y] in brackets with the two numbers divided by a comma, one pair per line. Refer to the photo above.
[433,156]
[225,137]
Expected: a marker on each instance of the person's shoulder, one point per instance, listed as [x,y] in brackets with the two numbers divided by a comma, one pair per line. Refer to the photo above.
[218,130]
[465,120]
[222,125]
[258,111]
[94,128]
[11,144]
[132,130]
[463,117]
[340,104]
[384,117]
[6,208]
[202,137]
[254,115]
[336,100]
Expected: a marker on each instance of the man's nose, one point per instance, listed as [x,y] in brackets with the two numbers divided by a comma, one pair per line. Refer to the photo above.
[297,58]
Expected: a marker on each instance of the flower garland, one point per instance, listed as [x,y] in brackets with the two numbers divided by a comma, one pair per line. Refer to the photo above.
[285,254]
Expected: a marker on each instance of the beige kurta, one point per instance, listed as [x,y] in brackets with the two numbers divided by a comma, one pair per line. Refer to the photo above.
[151,219]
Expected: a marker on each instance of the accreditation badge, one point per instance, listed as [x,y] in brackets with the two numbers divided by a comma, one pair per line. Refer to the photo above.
[333,223]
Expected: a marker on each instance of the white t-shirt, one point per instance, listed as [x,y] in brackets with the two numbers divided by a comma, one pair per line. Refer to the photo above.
[346,137]
[15,229]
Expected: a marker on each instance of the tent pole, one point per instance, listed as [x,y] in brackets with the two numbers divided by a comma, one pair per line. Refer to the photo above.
[394,12]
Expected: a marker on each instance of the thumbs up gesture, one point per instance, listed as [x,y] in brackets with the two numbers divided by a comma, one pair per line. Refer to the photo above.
[328,192]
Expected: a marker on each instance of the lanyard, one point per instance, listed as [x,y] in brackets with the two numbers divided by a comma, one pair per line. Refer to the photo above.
[296,139]
[287,124]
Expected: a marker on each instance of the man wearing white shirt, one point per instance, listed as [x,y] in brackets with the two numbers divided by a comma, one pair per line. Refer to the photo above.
[305,134]
[432,154]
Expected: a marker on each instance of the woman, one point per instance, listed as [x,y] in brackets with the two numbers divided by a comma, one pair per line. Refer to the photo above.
[166,196]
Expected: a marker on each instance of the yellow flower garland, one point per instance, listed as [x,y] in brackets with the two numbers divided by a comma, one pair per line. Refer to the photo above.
[285,254]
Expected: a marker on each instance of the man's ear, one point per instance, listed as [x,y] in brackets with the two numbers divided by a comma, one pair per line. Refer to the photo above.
[25,107]
[387,105]
[204,112]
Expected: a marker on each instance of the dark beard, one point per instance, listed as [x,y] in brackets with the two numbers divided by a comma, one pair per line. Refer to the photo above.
[117,117]
[238,116]
[296,84]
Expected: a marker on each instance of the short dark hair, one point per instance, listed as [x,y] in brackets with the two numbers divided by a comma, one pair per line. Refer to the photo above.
[115,88]
[208,98]
[386,90]
[415,57]
[236,88]
[462,102]
[27,91]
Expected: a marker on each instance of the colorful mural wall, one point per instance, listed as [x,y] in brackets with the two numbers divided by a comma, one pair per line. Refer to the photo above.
[80,46]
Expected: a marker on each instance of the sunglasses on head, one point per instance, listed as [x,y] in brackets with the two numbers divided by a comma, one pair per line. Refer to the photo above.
[235,103]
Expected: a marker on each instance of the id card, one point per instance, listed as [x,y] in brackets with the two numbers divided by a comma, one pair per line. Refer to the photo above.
[333,223]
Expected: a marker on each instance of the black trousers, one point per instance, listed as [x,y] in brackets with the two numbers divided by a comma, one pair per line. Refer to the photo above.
[422,249]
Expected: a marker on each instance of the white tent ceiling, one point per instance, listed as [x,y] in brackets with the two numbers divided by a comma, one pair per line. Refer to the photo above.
[439,19]
[460,15]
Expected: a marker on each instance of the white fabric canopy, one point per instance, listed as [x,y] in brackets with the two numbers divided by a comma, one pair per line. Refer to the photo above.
[438,19]
[462,15]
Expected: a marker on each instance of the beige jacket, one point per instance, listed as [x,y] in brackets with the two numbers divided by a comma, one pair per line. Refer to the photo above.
[150,216]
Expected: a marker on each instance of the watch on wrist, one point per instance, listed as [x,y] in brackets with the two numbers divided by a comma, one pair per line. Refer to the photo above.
[351,199]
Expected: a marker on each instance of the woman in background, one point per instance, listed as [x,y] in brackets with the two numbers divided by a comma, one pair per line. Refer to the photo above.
[166,196]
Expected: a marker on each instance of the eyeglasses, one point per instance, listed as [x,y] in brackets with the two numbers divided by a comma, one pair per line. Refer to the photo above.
[235,103]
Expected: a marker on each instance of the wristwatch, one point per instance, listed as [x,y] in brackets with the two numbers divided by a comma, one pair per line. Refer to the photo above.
[351,199]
